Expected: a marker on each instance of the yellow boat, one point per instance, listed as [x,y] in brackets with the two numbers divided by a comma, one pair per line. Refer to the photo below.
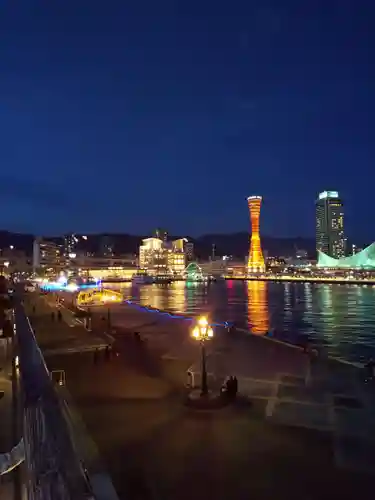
[98,296]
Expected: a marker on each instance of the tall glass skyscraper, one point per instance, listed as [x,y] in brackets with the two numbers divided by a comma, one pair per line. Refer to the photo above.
[330,237]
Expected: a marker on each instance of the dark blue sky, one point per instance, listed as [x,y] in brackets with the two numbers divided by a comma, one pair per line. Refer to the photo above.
[123,116]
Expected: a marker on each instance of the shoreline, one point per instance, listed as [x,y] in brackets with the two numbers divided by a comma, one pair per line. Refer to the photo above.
[266,336]
[281,279]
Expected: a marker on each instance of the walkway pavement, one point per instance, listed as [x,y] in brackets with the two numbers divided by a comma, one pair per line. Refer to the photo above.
[293,388]
[305,427]
[53,336]
[154,447]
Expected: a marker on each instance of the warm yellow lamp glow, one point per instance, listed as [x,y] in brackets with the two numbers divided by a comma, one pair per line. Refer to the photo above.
[202,330]
[196,332]
[203,321]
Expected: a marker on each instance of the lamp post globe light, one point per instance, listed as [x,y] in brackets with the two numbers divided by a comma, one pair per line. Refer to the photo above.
[203,332]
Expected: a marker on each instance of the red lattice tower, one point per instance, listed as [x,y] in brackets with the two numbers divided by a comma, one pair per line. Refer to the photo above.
[256,259]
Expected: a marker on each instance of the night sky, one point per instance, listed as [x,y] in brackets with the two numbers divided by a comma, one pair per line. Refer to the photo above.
[121,116]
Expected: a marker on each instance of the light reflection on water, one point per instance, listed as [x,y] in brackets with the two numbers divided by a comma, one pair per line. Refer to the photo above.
[340,318]
[257,307]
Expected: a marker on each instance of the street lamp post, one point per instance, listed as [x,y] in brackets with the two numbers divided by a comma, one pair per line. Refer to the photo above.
[203,332]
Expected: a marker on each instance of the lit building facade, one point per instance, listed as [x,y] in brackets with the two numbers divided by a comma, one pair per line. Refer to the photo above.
[47,256]
[153,256]
[160,257]
[70,244]
[330,237]
[256,259]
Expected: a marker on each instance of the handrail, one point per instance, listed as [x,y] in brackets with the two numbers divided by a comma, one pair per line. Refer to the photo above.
[53,469]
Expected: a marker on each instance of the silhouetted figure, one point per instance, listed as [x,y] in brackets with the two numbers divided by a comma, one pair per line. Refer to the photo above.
[235,386]
[108,353]
[224,388]
[137,337]
[53,316]
[230,388]
[370,368]
[34,309]
[59,316]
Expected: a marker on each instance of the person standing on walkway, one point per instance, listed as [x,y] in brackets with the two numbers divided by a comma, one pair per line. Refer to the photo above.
[59,316]
[108,353]
[235,387]
[370,368]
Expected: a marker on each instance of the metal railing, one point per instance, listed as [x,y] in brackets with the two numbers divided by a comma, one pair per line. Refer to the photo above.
[53,468]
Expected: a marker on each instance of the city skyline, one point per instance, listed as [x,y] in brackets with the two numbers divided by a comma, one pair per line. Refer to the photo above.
[127,108]
[330,237]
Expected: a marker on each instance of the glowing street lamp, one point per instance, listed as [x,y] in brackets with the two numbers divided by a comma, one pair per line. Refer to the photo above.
[203,332]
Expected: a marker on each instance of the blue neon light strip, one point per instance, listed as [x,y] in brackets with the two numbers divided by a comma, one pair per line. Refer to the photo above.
[172,316]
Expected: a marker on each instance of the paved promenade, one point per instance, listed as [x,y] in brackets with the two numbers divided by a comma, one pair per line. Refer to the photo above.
[57,337]
[295,388]
[304,427]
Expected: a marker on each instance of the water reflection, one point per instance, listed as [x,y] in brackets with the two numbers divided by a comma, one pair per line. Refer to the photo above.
[307,287]
[154,296]
[257,307]
[177,297]
[337,318]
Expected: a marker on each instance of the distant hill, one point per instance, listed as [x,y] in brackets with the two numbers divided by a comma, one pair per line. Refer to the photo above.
[236,244]
[19,241]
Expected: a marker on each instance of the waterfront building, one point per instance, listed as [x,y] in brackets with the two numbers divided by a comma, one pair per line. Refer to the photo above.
[153,256]
[48,257]
[162,257]
[256,259]
[70,244]
[121,267]
[364,259]
[177,257]
[189,251]
[330,237]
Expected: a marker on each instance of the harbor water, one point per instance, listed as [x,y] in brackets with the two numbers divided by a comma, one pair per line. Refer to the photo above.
[339,319]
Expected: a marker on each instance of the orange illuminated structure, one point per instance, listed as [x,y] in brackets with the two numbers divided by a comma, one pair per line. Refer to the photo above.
[256,260]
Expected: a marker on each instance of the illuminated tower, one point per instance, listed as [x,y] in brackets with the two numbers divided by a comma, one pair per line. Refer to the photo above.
[256,260]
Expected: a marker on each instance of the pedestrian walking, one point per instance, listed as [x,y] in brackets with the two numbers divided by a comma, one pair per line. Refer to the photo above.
[53,316]
[59,316]
[370,369]
[137,337]
[235,387]
[107,353]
